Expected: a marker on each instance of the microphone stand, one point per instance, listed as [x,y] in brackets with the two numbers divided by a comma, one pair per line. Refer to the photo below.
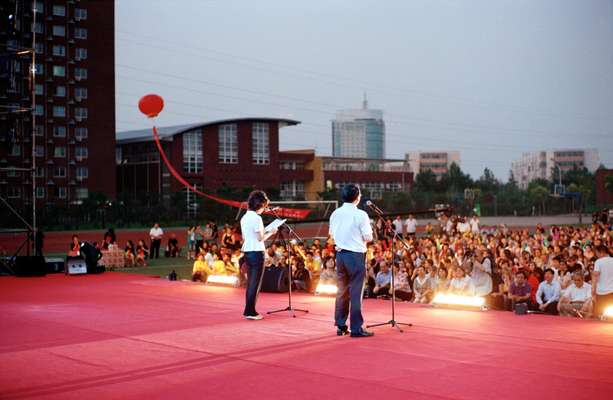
[287,244]
[395,237]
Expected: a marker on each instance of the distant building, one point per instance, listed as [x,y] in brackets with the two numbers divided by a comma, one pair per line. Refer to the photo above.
[544,164]
[74,134]
[436,161]
[359,133]
[603,196]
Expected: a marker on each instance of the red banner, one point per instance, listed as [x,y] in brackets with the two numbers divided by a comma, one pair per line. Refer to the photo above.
[296,213]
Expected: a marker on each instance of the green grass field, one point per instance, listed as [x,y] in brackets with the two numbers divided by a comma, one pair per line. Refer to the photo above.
[163,266]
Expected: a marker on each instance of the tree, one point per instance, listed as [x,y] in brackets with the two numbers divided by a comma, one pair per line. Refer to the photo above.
[538,194]
[488,182]
[425,181]
[455,180]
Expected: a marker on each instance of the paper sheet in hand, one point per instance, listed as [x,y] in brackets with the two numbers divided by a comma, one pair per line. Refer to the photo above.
[274,224]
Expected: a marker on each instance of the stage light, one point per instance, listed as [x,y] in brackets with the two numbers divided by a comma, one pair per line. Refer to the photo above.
[326,288]
[454,300]
[223,280]
[608,313]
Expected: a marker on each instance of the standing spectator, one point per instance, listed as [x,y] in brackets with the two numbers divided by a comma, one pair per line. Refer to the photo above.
[548,293]
[474,225]
[398,226]
[519,292]
[602,280]
[411,226]
[577,299]
[191,242]
[199,238]
[156,233]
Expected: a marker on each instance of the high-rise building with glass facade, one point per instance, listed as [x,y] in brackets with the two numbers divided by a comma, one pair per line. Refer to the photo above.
[359,133]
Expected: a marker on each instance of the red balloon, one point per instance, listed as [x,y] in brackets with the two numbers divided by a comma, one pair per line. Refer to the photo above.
[151,105]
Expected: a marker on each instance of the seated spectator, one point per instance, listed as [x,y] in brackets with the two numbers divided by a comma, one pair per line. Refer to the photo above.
[301,278]
[481,274]
[422,287]
[129,254]
[461,284]
[328,275]
[230,268]
[142,253]
[201,269]
[577,298]
[172,248]
[548,294]
[402,286]
[75,247]
[383,280]
[440,284]
[519,292]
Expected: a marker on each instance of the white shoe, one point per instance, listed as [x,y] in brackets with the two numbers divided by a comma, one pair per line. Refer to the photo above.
[254,317]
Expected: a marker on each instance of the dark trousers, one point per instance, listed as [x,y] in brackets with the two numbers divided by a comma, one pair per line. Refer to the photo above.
[350,271]
[255,272]
[155,248]
[552,308]
[402,295]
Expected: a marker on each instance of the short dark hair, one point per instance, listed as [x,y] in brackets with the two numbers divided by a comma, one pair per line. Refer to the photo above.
[522,273]
[602,249]
[257,199]
[549,270]
[350,192]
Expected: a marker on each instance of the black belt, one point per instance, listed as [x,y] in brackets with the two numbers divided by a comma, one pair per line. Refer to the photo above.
[349,251]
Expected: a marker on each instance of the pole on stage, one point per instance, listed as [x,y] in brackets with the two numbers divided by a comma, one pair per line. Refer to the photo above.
[395,237]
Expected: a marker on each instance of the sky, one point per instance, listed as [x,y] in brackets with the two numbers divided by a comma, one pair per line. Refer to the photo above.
[489,78]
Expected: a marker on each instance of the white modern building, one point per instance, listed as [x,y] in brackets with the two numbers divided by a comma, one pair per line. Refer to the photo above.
[359,133]
[436,161]
[543,164]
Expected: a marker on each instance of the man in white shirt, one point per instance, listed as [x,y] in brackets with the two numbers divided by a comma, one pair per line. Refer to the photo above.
[350,228]
[577,299]
[548,293]
[474,225]
[602,281]
[397,226]
[156,233]
[411,225]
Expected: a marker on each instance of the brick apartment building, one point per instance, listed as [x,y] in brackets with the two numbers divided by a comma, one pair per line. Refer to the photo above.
[75,100]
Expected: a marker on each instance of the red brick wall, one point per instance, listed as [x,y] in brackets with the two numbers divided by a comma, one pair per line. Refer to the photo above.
[602,195]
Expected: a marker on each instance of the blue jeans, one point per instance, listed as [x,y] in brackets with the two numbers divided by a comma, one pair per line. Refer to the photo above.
[350,270]
[255,272]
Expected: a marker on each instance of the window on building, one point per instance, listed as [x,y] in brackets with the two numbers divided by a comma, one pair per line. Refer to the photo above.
[60,91]
[40,171]
[59,10]
[80,113]
[40,47]
[80,14]
[39,89]
[59,172]
[15,150]
[59,30]
[192,152]
[40,69]
[80,53]
[39,6]
[13,192]
[40,192]
[59,50]
[12,173]
[40,151]
[81,193]
[60,192]
[80,152]
[59,70]
[40,130]
[80,73]
[82,173]
[59,131]
[39,110]
[59,152]
[80,33]
[228,144]
[80,93]
[80,133]
[38,28]
[59,111]
[261,151]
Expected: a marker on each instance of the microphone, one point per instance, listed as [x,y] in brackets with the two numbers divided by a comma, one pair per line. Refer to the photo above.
[374,207]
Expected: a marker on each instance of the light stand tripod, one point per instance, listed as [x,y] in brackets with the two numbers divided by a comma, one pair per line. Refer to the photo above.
[395,237]
[288,245]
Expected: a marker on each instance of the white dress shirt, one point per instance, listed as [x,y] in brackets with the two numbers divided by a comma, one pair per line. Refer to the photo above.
[582,294]
[251,226]
[156,233]
[604,266]
[551,292]
[411,224]
[350,228]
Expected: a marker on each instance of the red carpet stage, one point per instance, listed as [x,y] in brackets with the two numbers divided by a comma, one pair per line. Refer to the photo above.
[119,336]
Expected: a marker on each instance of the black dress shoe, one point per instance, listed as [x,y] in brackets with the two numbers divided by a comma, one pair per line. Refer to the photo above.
[342,330]
[362,333]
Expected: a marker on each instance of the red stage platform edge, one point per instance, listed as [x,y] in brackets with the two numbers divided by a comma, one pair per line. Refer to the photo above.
[127,336]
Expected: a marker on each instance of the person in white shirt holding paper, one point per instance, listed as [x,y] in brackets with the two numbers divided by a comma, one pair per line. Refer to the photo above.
[254,235]
[350,229]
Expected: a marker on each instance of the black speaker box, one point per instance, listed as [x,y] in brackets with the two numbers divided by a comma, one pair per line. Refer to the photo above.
[274,280]
[55,266]
[30,266]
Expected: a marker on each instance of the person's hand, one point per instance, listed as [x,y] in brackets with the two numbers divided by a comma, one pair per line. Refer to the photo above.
[542,307]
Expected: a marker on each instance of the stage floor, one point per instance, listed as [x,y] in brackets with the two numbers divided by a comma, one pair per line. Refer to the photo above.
[126,336]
